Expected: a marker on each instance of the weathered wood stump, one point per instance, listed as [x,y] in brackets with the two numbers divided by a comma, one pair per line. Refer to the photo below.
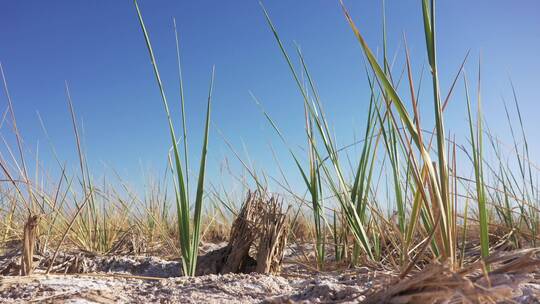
[29,242]
[273,238]
[261,228]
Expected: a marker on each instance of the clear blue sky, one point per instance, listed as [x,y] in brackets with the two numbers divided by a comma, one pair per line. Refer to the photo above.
[97,46]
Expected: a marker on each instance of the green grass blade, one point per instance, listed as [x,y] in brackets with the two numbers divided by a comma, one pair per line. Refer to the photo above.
[200,184]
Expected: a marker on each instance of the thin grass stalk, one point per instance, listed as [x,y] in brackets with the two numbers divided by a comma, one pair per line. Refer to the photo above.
[182,104]
[430,33]
[315,190]
[30,203]
[200,185]
[476,146]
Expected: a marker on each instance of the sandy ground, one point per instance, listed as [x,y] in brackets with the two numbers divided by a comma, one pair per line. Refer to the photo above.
[230,288]
[143,279]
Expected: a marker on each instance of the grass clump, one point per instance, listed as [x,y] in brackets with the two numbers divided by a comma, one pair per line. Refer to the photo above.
[189,226]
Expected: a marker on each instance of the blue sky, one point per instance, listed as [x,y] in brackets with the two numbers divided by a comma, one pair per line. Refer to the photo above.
[98,48]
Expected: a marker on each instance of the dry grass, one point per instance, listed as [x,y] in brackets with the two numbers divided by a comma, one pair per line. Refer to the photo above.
[438,283]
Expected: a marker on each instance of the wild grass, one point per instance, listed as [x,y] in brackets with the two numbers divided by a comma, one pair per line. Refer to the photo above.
[406,199]
[189,236]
